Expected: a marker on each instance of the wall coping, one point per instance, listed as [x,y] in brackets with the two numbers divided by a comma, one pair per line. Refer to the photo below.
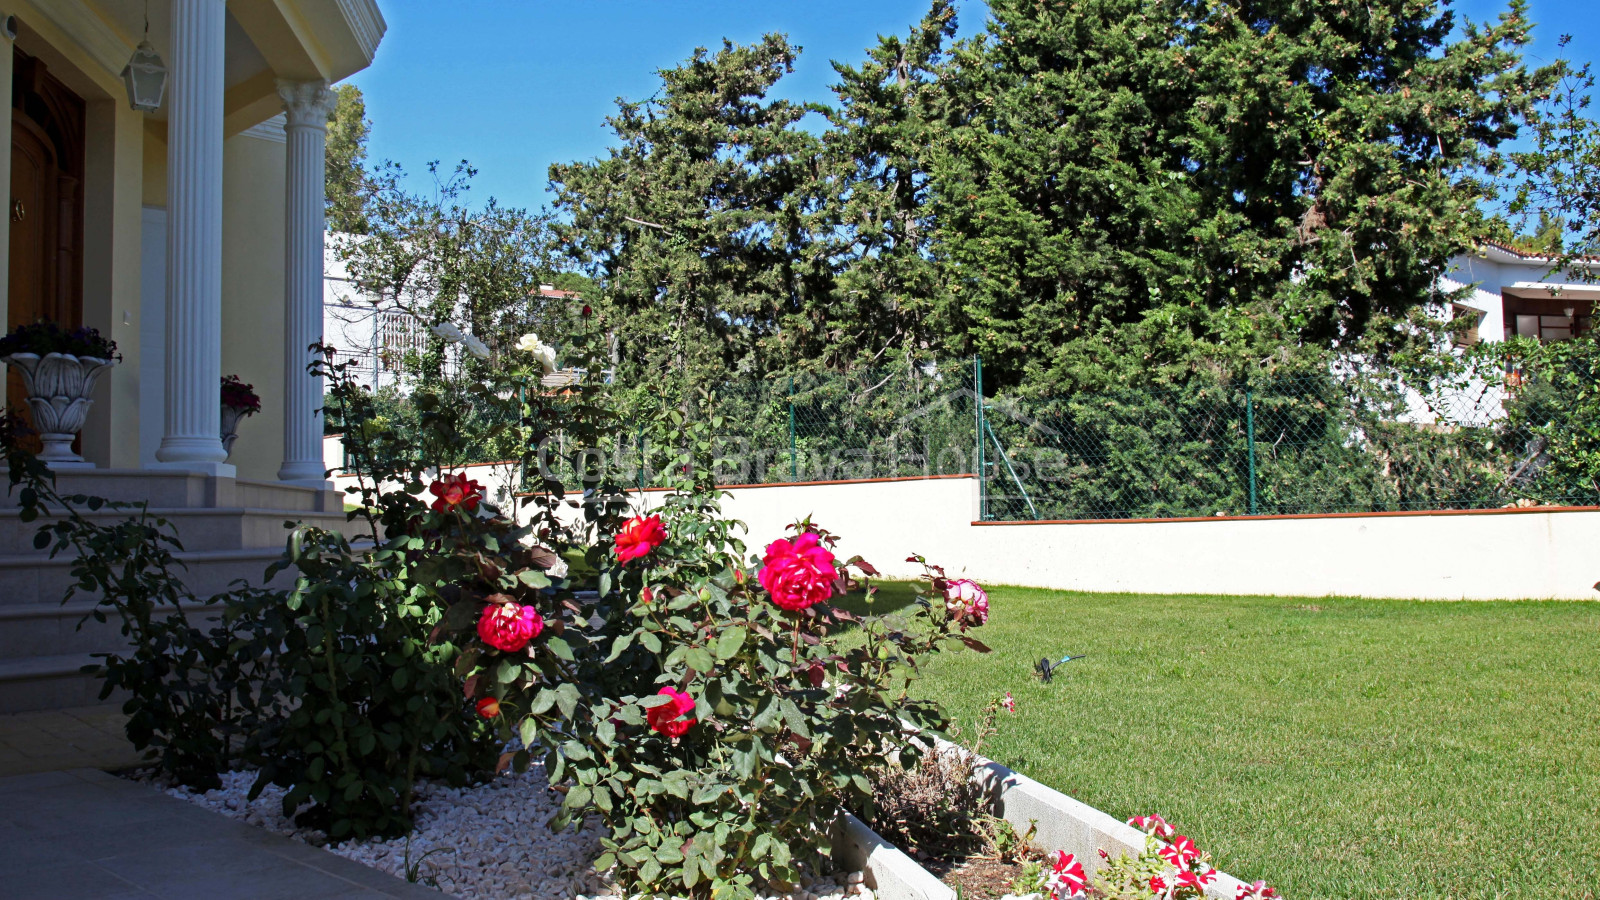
[1280,517]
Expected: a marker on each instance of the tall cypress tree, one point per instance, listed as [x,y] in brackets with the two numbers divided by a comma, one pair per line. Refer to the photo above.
[876,217]
[696,223]
[1135,188]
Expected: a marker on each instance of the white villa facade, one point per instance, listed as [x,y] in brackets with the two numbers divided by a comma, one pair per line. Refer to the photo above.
[192,236]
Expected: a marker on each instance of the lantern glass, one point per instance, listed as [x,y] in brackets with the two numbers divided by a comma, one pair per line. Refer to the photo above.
[146,78]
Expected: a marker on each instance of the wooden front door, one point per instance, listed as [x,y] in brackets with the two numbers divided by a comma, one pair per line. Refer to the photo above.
[45,281]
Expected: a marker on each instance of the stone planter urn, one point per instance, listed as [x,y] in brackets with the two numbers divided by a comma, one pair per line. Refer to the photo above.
[231,417]
[60,388]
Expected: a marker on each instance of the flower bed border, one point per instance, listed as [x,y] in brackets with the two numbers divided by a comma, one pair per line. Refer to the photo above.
[1068,824]
[1063,824]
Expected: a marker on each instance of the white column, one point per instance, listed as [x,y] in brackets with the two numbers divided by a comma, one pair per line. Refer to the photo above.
[307,106]
[192,430]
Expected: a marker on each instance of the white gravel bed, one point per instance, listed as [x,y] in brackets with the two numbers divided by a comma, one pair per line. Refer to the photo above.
[487,842]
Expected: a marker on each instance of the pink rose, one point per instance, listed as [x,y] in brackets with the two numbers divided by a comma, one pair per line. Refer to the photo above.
[964,599]
[509,626]
[665,718]
[798,573]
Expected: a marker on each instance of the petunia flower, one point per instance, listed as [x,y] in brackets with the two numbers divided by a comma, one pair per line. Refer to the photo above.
[1180,851]
[1152,825]
[1067,878]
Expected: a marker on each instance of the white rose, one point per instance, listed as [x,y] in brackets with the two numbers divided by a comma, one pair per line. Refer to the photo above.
[449,332]
[544,353]
[474,346]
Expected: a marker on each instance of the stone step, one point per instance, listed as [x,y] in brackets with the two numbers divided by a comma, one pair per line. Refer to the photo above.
[49,682]
[28,633]
[229,528]
[33,580]
[172,490]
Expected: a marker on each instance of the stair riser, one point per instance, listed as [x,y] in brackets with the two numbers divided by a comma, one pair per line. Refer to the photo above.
[186,491]
[222,530]
[25,638]
[47,584]
[53,692]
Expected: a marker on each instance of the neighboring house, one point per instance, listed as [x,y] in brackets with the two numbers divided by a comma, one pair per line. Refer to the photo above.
[374,333]
[1519,294]
[192,236]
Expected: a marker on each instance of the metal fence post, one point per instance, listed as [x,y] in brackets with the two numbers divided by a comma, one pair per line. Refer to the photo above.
[1250,443]
[977,393]
[794,465]
[641,458]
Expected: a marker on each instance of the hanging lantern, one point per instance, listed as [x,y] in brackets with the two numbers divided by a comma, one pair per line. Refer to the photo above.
[146,78]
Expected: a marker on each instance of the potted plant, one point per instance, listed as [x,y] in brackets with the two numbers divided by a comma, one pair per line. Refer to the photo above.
[59,369]
[238,400]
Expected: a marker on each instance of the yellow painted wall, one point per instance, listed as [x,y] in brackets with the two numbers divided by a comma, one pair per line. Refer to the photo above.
[112,191]
[253,294]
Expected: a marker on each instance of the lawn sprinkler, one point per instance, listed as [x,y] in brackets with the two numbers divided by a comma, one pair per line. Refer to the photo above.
[1046,669]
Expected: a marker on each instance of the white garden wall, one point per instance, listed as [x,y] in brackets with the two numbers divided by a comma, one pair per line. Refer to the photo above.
[1497,554]
[1479,555]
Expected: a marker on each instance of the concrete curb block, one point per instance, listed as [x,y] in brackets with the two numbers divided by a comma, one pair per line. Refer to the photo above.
[1065,823]
[891,874]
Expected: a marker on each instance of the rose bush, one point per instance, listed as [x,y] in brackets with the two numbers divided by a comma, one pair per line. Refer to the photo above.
[721,710]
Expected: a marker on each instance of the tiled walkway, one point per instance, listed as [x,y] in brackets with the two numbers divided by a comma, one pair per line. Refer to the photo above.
[86,835]
[47,741]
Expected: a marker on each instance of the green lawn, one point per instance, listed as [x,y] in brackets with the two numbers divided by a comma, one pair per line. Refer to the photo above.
[1335,747]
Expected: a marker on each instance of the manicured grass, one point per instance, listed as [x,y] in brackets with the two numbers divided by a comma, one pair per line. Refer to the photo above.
[1335,747]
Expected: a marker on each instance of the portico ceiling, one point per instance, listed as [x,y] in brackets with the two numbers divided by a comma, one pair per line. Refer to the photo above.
[299,40]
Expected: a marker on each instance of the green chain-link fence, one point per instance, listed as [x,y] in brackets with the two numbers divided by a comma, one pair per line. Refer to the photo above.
[1301,445]
[910,421]
[1287,445]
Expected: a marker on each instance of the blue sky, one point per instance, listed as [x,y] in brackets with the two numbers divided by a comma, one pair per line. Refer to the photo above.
[514,85]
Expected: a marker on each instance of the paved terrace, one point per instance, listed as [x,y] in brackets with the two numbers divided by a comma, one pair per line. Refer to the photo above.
[69,831]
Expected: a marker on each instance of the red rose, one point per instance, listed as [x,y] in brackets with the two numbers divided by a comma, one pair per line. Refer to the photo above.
[646,595]
[665,718]
[798,573]
[488,707]
[509,626]
[455,490]
[639,536]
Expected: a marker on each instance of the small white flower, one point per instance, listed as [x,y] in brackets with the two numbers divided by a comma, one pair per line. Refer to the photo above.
[474,346]
[449,332]
[558,570]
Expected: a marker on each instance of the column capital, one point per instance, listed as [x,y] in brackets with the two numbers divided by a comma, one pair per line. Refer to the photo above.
[307,103]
